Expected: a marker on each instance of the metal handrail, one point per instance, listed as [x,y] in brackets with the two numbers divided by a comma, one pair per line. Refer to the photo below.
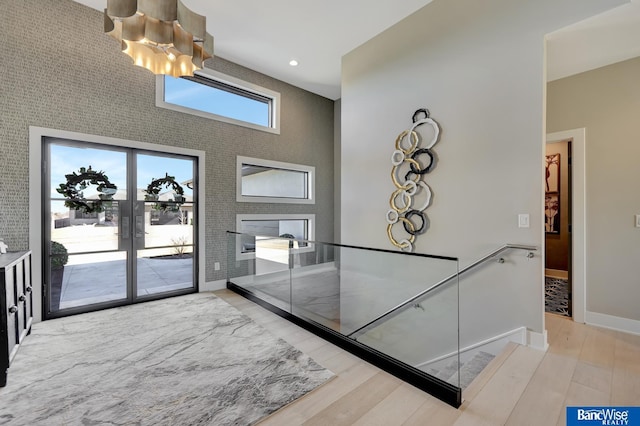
[439,284]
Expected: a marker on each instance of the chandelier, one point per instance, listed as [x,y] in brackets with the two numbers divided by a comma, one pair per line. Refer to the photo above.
[163,36]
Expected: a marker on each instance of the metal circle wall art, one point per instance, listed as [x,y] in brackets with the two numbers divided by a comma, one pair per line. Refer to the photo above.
[412,159]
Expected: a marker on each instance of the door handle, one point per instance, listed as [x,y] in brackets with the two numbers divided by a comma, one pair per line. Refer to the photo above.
[139,226]
[125,228]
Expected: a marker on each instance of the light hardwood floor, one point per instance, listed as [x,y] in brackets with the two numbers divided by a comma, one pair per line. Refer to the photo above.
[522,386]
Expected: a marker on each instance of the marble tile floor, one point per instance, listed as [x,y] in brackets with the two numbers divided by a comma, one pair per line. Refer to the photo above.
[321,297]
[189,360]
[316,295]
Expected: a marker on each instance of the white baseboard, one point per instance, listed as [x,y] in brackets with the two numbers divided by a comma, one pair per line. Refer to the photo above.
[517,336]
[614,323]
[537,340]
[213,286]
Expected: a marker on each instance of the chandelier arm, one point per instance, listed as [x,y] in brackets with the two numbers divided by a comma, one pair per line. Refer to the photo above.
[163,10]
[121,8]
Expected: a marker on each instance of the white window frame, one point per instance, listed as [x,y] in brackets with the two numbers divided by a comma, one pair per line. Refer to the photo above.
[311,179]
[310,218]
[229,81]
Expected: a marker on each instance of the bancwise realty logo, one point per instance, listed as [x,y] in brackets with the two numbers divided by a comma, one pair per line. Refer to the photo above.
[607,416]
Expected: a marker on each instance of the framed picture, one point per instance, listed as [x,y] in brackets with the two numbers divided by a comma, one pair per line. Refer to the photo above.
[552,212]
[552,195]
[552,173]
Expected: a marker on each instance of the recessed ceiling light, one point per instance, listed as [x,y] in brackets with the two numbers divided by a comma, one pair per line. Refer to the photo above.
[293,63]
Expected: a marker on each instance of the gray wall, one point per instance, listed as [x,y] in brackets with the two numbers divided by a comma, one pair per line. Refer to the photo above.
[606,102]
[479,68]
[59,70]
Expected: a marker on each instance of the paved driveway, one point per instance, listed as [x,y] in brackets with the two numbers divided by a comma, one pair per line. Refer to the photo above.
[103,281]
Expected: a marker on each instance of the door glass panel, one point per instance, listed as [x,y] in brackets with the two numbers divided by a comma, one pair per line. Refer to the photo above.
[83,232]
[67,159]
[93,278]
[161,270]
[86,262]
[164,224]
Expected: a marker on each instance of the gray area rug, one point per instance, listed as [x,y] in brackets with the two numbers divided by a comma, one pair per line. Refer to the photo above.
[556,296]
[190,360]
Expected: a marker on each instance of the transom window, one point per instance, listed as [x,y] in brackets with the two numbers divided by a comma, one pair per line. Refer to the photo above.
[265,181]
[220,97]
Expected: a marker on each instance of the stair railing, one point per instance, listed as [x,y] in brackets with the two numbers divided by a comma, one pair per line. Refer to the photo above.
[400,307]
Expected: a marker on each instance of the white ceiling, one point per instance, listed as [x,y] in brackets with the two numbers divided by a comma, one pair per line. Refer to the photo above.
[266,35]
[602,40]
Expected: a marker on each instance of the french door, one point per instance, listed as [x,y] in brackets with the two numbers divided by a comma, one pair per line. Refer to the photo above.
[119,226]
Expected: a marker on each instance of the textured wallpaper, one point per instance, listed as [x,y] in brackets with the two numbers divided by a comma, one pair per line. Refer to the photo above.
[59,70]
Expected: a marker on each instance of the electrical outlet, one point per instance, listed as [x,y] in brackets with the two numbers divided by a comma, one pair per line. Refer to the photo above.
[216,266]
[523,221]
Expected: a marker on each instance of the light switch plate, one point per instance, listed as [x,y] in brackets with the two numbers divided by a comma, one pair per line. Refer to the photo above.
[523,221]
[216,266]
[638,221]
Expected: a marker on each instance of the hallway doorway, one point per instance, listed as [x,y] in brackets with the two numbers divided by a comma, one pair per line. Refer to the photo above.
[558,227]
[575,272]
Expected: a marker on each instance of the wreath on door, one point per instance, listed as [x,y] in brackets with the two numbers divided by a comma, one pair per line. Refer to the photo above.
[169,182]
[76,183]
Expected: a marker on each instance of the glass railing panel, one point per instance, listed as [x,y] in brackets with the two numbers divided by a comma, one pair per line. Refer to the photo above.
[374,282]
[261,265]
[315,283]
[345,288]
[400,304]
[342,287]
[399,311]
[424,336]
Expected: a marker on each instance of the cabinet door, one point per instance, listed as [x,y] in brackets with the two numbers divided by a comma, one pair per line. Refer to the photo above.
[12,314]
[28,292]
[21,301]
